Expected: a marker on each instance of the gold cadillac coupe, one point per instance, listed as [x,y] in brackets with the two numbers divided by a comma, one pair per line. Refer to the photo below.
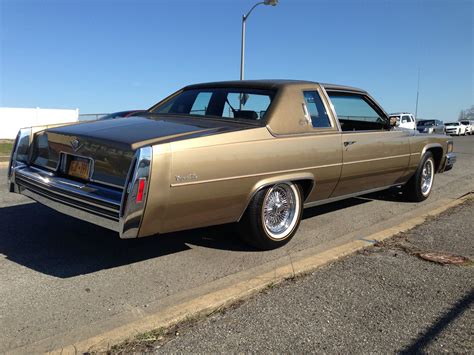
[253,152]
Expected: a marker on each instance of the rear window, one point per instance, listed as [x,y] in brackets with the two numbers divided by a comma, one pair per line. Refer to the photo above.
[232,104]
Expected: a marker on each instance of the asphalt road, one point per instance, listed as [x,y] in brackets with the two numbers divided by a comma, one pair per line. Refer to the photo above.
[382,300]
[59,274]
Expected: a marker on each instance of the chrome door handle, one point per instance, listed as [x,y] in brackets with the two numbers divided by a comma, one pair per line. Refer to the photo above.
[349,143]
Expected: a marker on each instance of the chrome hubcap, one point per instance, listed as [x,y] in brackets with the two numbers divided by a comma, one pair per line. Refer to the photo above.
[427,177]
[280,210]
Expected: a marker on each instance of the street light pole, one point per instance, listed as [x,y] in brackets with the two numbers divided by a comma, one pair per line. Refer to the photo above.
[417,94]
[244,21]
[242,48]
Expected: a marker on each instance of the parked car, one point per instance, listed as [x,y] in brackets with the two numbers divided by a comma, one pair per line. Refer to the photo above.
[430,126]
[121,114]
[404,120]
[253,152]
[455,129]
[469,126]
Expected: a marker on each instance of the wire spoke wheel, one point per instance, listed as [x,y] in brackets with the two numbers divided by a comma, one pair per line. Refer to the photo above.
[280,210]
[427,175]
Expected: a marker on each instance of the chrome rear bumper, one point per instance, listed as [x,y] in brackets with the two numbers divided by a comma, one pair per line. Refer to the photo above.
[115,209]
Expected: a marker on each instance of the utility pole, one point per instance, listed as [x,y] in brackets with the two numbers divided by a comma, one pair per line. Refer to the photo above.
[417,94]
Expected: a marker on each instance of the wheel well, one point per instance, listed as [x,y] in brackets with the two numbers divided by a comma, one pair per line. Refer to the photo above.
[437,155]
[306,187]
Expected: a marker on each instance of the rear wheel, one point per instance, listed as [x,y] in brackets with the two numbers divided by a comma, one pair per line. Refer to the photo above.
[273,216]
[419,187]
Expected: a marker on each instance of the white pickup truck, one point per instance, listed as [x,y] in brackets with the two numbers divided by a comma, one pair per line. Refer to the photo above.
[404,120]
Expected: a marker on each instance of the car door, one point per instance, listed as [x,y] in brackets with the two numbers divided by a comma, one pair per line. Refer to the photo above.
[374,154]
[322,145]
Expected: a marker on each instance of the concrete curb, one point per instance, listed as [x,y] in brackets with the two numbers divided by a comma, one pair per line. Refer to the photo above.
[221,293]
[4,164]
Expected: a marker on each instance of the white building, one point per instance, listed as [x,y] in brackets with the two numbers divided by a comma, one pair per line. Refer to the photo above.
[12,118]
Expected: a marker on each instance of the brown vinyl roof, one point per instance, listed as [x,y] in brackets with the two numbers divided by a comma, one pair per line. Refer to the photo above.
[270,84]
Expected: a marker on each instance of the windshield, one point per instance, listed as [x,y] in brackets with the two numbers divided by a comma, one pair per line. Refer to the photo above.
[226,103]
[466,123]
[426,123]
[452,124]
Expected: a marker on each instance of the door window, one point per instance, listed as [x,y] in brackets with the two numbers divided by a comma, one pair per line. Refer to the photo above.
[316,110]
[406,119]
[357,113]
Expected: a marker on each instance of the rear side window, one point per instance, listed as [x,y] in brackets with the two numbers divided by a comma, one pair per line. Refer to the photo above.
[227,103]
[316,110]
[201,103]
[356,113]
[246,105]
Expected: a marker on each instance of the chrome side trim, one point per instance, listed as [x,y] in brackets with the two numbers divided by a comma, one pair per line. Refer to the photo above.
[376,159]
[338,198]
[283,171]
[131,212]
[279,172]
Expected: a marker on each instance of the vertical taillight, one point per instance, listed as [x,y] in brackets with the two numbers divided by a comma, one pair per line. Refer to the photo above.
[141,189]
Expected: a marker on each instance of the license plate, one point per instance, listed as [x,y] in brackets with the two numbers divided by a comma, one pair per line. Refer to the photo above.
[79,167]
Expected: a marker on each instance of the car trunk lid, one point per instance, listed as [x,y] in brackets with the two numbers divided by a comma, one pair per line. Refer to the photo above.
[109,145]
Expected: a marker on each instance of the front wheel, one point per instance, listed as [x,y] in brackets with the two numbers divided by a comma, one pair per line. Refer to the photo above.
[419,187]
[273,216]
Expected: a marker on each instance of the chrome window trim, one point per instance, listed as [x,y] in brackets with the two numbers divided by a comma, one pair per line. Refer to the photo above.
[332,109]
[356,93]
[323,97]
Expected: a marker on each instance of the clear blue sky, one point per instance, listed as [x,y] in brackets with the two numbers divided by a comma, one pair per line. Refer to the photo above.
[111,55]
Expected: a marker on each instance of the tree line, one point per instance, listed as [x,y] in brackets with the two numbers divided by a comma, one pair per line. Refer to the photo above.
[467,114]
